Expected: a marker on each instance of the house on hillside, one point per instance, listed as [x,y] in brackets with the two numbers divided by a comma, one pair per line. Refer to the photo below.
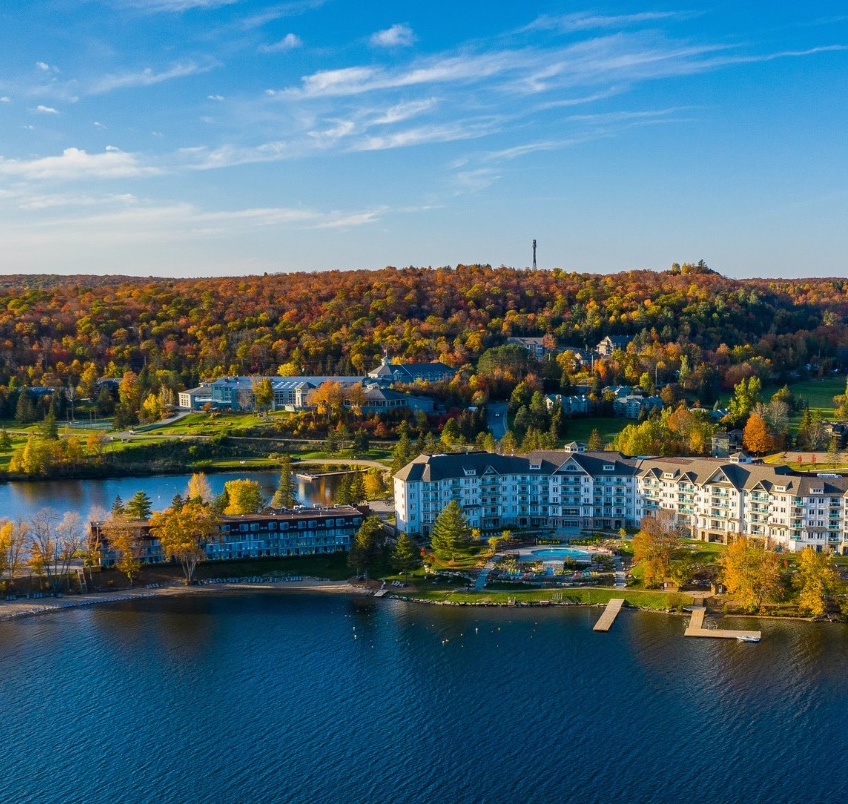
[388,373]
[726,443]
[612,343]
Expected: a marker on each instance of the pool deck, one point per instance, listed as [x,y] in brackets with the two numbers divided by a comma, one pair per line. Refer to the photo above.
[696,628]
[610,613]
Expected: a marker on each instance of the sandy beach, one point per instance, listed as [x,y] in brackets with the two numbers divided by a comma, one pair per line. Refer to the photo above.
[15,609]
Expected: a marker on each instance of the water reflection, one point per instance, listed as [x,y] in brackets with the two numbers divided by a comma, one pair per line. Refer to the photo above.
[25,498]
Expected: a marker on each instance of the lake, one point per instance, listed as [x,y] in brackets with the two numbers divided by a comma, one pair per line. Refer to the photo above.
[25,498]
[267,697]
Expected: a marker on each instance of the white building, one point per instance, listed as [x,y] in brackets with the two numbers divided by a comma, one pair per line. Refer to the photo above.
[572,492]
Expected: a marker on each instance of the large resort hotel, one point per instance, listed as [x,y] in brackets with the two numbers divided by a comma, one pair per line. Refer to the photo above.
[572,492]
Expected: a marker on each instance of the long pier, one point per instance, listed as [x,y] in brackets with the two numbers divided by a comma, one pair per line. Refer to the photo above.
[610,613]
[696,628]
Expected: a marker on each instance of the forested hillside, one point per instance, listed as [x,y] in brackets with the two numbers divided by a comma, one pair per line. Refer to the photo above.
[54,329]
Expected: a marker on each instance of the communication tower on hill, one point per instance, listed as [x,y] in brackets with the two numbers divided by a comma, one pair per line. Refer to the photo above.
[534,255]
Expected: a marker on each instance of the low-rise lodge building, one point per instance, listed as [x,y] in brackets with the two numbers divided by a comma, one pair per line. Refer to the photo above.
[303,531]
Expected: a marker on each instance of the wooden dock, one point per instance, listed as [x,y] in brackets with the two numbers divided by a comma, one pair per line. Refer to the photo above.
[696,628]
[609,615]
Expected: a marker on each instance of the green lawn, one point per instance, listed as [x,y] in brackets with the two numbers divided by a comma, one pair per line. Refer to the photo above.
[818,393]
[581,429]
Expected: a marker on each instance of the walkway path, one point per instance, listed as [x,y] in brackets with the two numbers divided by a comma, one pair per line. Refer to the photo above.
[480,583]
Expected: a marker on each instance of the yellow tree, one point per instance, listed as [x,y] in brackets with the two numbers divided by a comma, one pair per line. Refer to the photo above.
[656,545]
[756,437]
[243,497]
[751,574]
[199,489]
[183,534]
[126,543]
[817,578]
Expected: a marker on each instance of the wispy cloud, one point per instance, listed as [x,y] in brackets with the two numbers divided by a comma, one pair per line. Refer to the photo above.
[217,98]
[280,11]
[404,111]
[41,109]
[289,42]
[396,36]
[77,164]
[174,6]
[148,77]
[420,135]
[584,21]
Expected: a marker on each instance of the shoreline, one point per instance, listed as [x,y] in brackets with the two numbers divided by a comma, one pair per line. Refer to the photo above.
[18,609]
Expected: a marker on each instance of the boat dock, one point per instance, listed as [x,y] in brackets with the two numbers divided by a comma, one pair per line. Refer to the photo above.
[696,628]
[610,613]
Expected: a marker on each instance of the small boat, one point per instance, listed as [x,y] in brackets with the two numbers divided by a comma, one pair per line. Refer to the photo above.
[747,638]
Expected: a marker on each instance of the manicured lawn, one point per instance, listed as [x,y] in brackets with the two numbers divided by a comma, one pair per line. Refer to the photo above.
[582,595]
[581,429]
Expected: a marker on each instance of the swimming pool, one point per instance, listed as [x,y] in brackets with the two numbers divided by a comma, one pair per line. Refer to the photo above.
[557,554]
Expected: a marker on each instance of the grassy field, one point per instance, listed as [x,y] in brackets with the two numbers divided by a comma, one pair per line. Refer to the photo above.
[818,393]
[581,429]
[578,595]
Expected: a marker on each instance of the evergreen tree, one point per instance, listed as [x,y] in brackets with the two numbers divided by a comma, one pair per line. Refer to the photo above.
[284,495]
[25,410]
[366,546]
[140,506]
[343,491]
[451,534]
[118,507]
[49,429]
[5,441]
[596,441]
[177,502]
[361,445]
[357,488]
[406,556]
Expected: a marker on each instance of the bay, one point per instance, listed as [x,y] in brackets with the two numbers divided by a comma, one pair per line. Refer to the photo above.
[25,498]
[275,696]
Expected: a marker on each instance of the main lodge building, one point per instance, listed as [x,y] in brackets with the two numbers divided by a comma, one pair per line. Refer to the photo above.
[573,492]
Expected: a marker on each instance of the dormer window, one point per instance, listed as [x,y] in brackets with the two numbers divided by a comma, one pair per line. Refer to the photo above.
[609,467]
[470,472]
[537,465]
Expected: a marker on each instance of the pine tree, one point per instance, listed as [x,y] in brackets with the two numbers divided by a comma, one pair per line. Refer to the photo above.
[25,410]
[5,441]
[357,488]
[140,506]
[596,441]
[343,491]
[451,534]
[284,495]
[406,556]
[118,507]
[366,546]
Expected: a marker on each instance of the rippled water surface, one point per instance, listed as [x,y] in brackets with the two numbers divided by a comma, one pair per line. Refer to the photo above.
[294,697]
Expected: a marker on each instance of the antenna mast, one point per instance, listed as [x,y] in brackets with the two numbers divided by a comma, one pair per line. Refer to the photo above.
[534,255]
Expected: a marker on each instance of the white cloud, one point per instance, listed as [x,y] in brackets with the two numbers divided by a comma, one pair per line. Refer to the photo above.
[147,77]
[98,124]
[44,67]
[174,6]
[46,109]
[396,36]
[583,21]
[5,99]
[77,164]
[215,97]
[404,111]
[447,132]
[280,11]
[289,42]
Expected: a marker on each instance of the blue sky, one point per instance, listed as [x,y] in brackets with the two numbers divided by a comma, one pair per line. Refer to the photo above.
[211,137]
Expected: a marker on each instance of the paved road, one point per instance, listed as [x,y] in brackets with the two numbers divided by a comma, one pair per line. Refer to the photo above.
[496,412]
